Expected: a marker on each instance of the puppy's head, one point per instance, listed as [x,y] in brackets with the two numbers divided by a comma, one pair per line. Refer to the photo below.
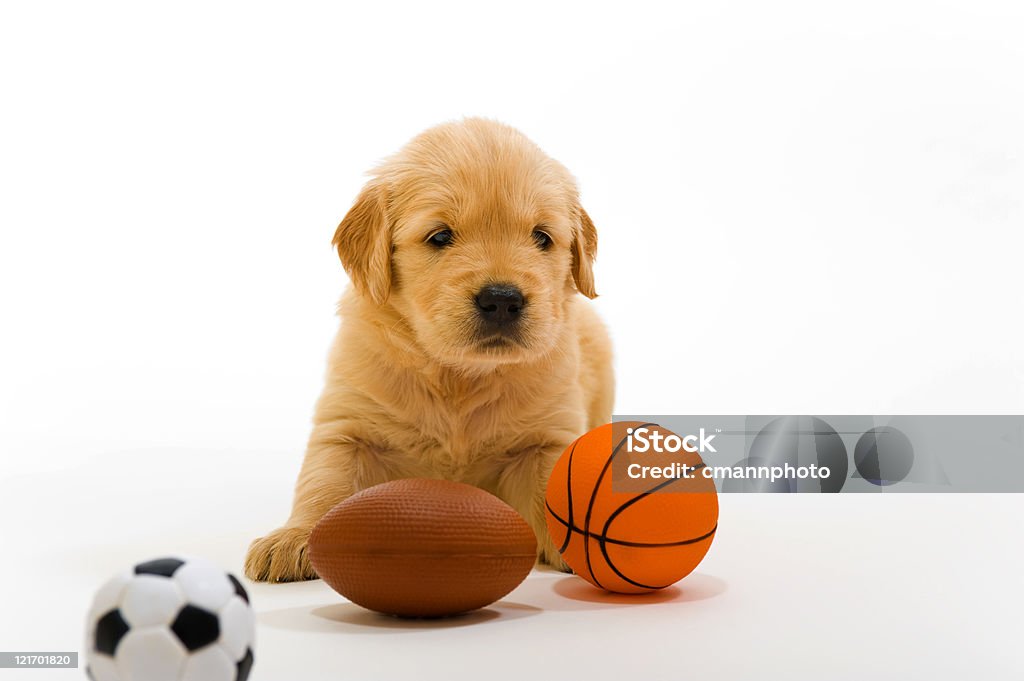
[477,238]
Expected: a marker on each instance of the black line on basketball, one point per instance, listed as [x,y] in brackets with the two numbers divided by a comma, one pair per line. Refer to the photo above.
[593,498]
[604,531]
[623,542]
[568,482]
[661,586]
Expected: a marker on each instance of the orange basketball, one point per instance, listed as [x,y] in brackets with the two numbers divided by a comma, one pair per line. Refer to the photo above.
[626,533]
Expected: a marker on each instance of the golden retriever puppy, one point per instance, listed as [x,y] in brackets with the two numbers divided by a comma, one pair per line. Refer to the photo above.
[465,350]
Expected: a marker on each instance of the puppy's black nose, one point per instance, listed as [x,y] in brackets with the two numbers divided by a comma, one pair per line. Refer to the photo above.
[500,303]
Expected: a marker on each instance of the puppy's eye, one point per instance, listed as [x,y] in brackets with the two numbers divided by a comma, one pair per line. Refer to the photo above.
[542,239]
[441,238]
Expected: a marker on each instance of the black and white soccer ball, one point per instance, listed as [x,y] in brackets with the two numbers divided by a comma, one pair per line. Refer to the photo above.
[170,619]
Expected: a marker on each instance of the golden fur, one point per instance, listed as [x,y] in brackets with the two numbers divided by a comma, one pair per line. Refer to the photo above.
[411,391]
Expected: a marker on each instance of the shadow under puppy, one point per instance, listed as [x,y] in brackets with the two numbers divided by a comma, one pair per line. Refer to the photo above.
[465,350]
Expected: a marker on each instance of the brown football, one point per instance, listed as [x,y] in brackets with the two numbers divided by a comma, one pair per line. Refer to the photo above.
[422,548]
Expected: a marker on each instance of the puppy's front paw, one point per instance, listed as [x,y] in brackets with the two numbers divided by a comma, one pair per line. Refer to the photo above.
[280,557]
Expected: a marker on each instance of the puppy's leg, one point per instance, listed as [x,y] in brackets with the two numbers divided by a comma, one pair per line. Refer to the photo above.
[522,484]
[336,466]
[323,482]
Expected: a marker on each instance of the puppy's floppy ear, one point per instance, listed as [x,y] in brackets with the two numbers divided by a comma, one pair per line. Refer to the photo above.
[584,249]
[363,240]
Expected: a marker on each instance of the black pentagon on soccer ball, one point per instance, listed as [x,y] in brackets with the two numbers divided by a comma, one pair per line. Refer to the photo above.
[196,627]
[110,629]
[165,567]
[244,666]
[239,589]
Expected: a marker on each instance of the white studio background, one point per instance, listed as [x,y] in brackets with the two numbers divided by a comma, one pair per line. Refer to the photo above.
[803,208]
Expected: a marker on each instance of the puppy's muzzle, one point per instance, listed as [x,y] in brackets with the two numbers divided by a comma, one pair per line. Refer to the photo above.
[500,306]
